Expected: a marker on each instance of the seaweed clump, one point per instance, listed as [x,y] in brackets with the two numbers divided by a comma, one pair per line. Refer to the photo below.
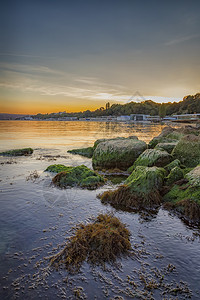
[17,152]
[140,191]
[76,176]
[99,242]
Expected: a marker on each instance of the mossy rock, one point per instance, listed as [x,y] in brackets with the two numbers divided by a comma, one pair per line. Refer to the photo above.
[173,164]
[188,150]
[185,198]
[58,168]
[17,152]
[117,153]
[140,190]
[80,176]
[87,152]
[166,146]
[160,140]
[103,240]
[152,157]
[175,174]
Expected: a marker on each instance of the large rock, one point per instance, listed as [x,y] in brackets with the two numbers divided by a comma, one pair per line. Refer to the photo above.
[188,150]
[167,146]
[184,196]
[152,157]
[117,153]
[171,135]
[140,191]
[80,176]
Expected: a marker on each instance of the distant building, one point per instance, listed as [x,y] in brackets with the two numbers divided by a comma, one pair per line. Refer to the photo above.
[123,118]
[139,117]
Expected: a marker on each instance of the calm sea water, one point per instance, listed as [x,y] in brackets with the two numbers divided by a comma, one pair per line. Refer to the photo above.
[36,218]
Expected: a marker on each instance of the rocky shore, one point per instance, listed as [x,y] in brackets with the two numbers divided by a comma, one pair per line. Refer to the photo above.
[164,172]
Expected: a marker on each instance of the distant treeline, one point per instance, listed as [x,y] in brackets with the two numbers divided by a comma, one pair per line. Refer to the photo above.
[189,105]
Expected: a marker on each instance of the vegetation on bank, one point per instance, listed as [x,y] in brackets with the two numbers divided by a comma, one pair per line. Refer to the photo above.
[190,104]
[17,152]
[103,240]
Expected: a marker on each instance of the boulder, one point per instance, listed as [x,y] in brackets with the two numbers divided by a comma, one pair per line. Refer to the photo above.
[175,174]
[119,153]
[152,157]
[167,146]
[188,150]
[80,176]
[184,196]
[140,191]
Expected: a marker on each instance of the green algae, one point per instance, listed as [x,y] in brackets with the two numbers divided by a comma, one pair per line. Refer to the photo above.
[58,168]
[87,152]
[157,140]
[77,176]
[166,146]
[17,152]
[173,164]
[152,157]
[188,150]
[175,174]
[140,190]
[103,240]
[117,153]
[185,198]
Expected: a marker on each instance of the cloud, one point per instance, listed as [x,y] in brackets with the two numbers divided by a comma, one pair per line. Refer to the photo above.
[182,39]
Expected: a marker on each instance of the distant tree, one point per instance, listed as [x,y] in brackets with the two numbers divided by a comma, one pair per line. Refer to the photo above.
[162,111]
[107,106]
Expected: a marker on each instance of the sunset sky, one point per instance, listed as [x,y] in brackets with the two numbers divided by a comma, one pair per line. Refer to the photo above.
[69,55]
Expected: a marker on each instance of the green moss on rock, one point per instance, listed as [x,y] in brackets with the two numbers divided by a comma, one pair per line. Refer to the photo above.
[173,164]
[185,198]
[17,152]
[117,153]
[188,150]
[87,152]
[140,191]
[78,176]
[175,174]
[166,146]
[152,157]
[160,140]
[58,168]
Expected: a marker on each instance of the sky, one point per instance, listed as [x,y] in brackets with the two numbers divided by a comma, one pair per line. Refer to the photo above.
[64,55]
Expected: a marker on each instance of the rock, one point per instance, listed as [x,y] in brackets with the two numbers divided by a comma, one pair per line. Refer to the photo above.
[140,191]
[87,152]
[188,150]
[17,152]
[184,197]
[173,164]
[175,174]
[152,157]
[80,176]
[58,168]
[160,140]
[171,135]
[119,153]
[166,146]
